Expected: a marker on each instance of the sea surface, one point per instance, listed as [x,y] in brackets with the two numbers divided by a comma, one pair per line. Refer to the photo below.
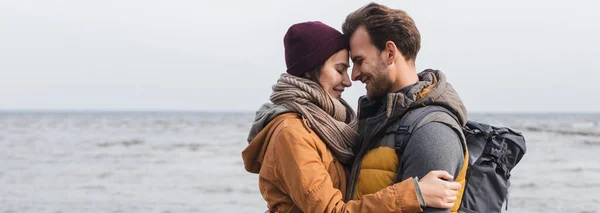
[191,162]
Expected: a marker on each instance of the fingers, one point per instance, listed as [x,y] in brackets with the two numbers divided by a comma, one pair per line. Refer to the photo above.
[449,202]
[453,185]
[442,174]
[445,202]
[451,199]
[451,193]
[446,205]
[439,191]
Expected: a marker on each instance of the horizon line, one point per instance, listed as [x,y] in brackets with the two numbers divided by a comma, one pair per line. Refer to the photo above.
[241,111]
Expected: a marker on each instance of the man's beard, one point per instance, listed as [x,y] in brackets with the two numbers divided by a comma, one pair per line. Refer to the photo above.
[380,83]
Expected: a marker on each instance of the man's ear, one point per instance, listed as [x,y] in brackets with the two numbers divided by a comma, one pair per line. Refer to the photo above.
[391,52]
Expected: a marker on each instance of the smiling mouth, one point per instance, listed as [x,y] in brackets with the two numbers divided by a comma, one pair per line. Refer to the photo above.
[338,92]
[365,80]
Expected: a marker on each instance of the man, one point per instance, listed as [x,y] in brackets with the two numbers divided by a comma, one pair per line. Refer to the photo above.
[384,44]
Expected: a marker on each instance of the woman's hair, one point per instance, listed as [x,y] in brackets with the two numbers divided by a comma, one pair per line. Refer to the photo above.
[314,74]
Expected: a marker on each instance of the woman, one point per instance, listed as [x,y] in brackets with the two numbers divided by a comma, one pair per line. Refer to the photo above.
[300,143]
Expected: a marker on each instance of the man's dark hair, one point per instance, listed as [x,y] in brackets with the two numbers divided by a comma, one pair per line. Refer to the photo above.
[384,24]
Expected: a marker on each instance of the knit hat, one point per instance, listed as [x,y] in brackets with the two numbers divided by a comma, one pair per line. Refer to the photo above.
[309,44]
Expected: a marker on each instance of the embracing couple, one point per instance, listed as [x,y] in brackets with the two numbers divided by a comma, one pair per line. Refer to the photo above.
[313,153]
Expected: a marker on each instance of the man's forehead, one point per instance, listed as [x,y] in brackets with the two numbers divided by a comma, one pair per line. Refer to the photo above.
[358,41]
[360,35]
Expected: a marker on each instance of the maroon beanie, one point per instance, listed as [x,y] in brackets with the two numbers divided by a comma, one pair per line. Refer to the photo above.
[309,44]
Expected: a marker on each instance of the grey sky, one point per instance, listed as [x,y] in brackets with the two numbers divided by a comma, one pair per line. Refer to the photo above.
[508,56]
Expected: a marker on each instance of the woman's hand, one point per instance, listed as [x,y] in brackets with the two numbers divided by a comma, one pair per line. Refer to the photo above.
[438,189]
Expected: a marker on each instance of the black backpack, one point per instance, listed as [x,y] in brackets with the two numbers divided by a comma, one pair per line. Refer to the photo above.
[493,153]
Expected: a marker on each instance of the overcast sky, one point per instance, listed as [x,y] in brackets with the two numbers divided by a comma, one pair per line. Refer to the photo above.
[501,56]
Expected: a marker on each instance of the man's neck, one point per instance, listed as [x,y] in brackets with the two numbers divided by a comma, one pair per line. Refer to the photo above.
[405,75]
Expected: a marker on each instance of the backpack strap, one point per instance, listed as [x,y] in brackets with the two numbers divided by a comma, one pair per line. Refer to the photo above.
[411,121]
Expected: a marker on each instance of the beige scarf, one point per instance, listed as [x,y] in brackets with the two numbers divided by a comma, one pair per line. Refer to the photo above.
[333,120]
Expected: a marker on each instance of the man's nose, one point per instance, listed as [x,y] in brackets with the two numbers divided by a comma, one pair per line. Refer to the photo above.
[355,73]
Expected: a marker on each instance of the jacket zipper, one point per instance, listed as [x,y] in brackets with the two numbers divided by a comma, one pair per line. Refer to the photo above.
[356,167]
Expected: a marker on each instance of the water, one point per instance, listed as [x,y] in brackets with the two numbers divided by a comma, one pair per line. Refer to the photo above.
[190,162]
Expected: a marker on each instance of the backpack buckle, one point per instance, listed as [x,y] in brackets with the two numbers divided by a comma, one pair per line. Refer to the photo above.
[398,146]
[402,129]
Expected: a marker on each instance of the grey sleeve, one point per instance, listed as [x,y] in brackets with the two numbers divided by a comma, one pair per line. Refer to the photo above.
[434,146]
